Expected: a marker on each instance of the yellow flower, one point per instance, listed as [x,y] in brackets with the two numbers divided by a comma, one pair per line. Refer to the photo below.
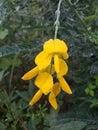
[31,74]
[55,46]
[43,60]
[52,96]
[63,68]
[44,82]
[52,49]
[64,85]
[56,88]
[49,62]
[36,97]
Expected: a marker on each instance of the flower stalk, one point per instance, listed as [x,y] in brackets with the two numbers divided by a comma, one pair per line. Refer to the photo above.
[57,22]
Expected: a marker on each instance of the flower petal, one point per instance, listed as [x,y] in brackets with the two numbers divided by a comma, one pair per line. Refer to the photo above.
[44,81]
[36,97]
[43,60]
[64,85]
[55,46]
[63,67]
[56,63]
[52,101]
[30,74]
[65,55]
[56,89]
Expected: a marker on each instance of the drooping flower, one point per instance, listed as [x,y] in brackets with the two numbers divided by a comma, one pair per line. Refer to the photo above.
[52,96]
[44,82]
[31,74]
[52,49]
[49,62]
[36,97]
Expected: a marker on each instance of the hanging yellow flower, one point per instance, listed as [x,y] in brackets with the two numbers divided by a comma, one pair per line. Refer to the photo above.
[51,60]
[52,96]
[55,49]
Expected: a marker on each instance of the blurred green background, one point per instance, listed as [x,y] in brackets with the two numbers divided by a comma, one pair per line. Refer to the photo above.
[24,27]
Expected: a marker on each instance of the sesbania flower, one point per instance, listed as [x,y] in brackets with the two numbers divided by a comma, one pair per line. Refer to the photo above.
[49,62]
[55,49]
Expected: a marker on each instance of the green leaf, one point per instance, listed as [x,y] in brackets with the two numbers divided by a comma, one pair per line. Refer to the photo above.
[11,1]
[5,63]
[2,126]
[91,92]
[16,49]
[91,17]
[91,86]
[87,90]
[73,125]
[23,95]
[1,74]
[3,33]
[94,103]
[96,79]
[16,62]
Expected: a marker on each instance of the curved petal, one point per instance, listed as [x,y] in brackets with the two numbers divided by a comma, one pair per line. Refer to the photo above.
[52,101]
[43,60]
[64,85]
[44,81]
[65,55]
[56,63]
[56,89]
[55,46]
[30,74]
[63,67]
[36,97]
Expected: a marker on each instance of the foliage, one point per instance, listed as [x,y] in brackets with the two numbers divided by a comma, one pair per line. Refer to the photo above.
[77,125]
[24,26]
[3,33]
[90,90]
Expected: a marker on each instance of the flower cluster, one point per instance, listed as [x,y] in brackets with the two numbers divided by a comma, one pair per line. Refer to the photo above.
[50,62]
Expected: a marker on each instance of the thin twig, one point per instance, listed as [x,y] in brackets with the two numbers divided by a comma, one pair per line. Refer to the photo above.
[12,71]
[21,122]
[57,22]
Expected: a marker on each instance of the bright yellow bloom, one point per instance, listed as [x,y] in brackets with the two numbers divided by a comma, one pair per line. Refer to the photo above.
[31,74]
[43,60]
[52,96]
[49,62]
[63,68]
[55,49]
[55,46]
[44,82]
[36,97]
[64,85]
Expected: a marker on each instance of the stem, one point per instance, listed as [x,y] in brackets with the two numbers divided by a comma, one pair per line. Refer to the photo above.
[12,71]
[21,122]
[57,22]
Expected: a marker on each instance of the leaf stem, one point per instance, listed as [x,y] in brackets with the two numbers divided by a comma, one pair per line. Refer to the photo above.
[12,71]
